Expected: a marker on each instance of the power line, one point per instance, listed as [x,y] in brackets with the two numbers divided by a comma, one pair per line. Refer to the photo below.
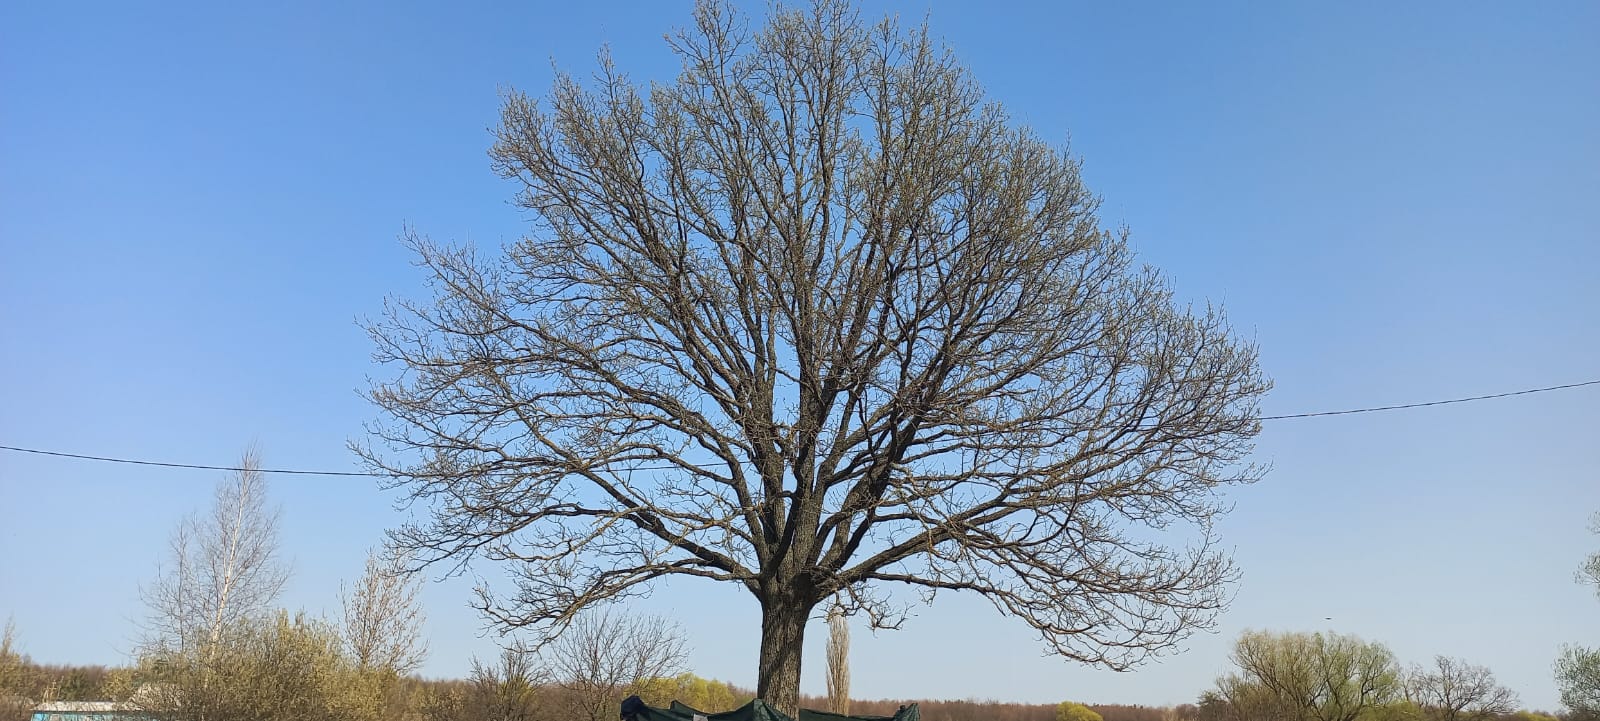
[299,472]
[1375,409]
[196,466]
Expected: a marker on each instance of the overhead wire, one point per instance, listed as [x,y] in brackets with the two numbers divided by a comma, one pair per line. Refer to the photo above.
[1375,409]
[371,474]
[196,466]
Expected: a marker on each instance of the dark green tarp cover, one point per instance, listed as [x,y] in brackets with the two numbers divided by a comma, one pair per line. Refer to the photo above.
[634,710]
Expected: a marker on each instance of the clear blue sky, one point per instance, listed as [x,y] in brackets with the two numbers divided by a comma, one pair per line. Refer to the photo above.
[199,200]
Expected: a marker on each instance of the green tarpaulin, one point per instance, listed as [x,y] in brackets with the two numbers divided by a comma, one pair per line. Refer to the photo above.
[634,709]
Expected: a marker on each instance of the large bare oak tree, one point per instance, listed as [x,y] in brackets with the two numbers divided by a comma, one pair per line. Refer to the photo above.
[816,319]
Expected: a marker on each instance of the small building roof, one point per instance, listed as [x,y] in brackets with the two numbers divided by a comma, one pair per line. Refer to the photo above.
[82,707]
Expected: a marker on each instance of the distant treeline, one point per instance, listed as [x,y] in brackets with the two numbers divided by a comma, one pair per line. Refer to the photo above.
[464,699]
[1004,711]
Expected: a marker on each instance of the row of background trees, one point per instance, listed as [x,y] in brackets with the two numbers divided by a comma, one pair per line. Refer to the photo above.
[217,647]
[1334,677]
[1337,677]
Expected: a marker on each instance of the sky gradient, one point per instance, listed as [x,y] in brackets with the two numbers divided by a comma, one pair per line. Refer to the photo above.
[200,201]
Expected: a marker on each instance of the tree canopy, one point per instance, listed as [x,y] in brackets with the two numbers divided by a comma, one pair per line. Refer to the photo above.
[1073,711]
[1308,677]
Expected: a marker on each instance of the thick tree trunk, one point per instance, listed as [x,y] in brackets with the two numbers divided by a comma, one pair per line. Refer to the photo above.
[783,631]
